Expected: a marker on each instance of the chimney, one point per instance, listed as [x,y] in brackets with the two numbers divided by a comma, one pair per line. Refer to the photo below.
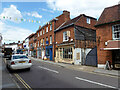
[67,15]
[39,27]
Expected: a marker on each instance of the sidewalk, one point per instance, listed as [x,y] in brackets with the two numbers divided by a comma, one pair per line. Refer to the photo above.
[7,81]
[83,68]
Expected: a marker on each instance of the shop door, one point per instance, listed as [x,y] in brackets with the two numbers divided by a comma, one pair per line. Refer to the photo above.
[50,54]
[116,56]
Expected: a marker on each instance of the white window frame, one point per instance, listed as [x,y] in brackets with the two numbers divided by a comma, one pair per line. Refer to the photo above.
[43,41]
[41,32]
[50,39]
[114,32]
[50,27]
[47,29]
[65,37]
[38,34]
[88,20]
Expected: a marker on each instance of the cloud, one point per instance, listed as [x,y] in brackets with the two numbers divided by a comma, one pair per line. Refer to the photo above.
[33,14]
[12,12]
[13,33]
[77,7]
[46,10]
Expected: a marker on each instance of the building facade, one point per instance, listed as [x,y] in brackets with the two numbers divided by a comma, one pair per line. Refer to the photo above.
[108,36]
[75,39]
[46,38]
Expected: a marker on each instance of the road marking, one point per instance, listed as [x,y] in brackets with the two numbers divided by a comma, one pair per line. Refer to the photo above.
[48,69]
[94,82]
[23,82]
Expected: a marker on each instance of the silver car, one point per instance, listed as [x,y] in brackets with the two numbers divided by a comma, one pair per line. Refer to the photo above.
[18,61]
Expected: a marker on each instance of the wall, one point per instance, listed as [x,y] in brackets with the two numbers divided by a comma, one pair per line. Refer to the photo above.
[103,34]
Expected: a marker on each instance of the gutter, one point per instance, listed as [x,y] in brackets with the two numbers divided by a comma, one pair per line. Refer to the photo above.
[107,23]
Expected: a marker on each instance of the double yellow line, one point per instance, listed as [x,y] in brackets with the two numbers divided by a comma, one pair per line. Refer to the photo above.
[23,82]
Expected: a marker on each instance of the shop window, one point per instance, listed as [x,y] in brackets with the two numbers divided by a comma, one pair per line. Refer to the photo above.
[67,53]
[47,52]
[116,32]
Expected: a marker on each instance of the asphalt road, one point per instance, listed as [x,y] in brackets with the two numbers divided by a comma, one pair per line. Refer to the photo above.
[46,75]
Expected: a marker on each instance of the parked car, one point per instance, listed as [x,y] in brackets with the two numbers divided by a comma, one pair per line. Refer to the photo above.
[18,61]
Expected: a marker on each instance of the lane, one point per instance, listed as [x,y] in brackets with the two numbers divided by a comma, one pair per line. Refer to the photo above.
[42,75]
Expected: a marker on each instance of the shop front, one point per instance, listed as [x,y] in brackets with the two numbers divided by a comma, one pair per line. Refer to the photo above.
[49,52]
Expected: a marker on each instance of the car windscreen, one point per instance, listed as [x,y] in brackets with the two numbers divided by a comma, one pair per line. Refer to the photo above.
[19,57]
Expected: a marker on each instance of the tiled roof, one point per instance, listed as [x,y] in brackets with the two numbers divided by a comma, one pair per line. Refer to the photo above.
[110,14]
[73,21]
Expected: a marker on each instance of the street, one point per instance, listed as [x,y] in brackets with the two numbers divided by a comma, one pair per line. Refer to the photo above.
[46,75]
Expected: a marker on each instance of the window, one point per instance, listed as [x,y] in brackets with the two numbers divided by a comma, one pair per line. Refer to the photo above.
[43,41]
[66,36]
[88,20]
[47,41]
[67,53]
[35,44]
[116,32]
[38,34]
[43,31]
[38,43]
[50,39]
[50,26]
[46,29]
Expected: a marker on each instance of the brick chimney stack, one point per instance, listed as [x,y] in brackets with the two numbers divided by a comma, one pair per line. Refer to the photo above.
[67,15]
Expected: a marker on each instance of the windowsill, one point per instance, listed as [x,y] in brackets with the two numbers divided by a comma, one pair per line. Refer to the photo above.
[65,40]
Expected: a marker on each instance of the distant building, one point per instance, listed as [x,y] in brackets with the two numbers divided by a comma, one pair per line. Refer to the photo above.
[13,45]
[0,40]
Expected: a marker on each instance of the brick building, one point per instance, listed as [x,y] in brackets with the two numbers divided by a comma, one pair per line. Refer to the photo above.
[32,44]
[45,36]
[75,39]
[108,36]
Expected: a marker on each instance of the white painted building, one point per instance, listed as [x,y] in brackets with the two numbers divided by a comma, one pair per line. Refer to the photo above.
[12,45]
[26,46]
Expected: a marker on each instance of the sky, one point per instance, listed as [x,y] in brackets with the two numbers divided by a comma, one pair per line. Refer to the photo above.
[20,18]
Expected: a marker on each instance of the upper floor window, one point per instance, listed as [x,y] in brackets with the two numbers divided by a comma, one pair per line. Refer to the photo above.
[43,41]
[38,34]
[46,29]
[66,36]
[88,20]
[50,26]
[50,39]
[43,31]
[38,43]
[116,32]
[47,41]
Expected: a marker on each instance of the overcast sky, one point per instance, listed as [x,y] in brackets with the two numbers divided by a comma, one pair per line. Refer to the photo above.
[42,10]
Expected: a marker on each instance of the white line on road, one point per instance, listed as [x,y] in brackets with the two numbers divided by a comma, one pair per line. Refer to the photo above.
[95,82]
[49,69]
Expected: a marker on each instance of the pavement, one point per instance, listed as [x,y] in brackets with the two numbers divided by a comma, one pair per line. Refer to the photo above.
[83,68]
[6,79]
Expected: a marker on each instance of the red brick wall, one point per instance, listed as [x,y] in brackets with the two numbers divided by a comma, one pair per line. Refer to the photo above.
[103,34]
[59,34]
[83,22]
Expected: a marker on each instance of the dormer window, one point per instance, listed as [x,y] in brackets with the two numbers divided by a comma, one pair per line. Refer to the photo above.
[88,20]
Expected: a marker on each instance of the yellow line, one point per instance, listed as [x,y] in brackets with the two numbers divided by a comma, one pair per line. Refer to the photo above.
[23,82]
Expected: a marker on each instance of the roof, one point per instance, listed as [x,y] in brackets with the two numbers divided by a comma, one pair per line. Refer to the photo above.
[73,21]
[31,35]
[109,15]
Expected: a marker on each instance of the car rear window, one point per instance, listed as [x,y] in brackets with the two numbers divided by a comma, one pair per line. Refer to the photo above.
[19,57]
